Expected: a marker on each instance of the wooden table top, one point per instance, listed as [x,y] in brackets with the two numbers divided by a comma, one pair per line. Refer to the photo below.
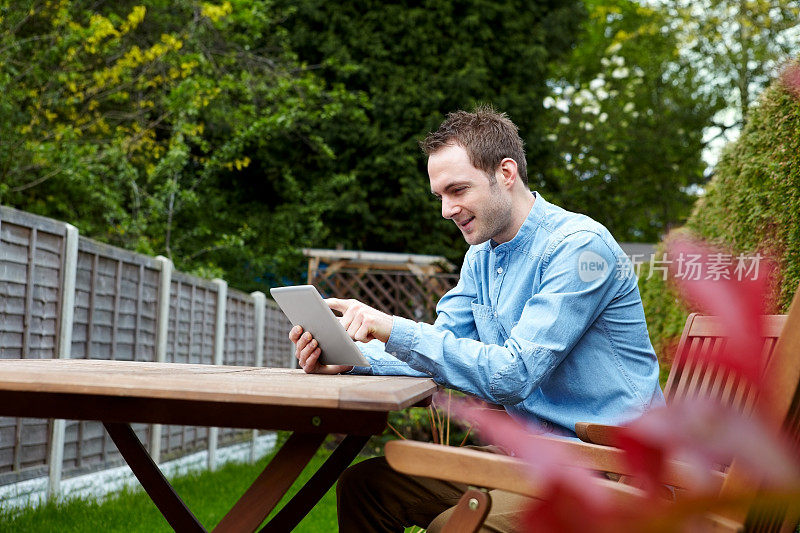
[209,383]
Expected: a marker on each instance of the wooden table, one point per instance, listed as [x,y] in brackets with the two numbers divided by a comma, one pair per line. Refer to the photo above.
[312,406]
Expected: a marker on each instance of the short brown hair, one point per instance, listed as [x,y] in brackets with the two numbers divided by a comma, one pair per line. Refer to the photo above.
[487,136]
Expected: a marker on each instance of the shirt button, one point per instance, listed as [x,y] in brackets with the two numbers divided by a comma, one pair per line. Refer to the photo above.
[499,270]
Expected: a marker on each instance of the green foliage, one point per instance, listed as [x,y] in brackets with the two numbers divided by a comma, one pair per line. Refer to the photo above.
[180,128]
[737,45]
[230,135]
[664,311]
[752,204]
[428,424]
[626,115]
[414,62]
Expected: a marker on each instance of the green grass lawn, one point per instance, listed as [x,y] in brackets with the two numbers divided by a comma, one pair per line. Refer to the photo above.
[208,494]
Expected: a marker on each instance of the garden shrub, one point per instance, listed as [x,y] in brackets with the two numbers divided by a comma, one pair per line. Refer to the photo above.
[751,205]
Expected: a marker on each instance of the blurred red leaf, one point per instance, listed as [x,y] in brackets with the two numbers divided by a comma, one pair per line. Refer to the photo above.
[550,466]
[701,433]
[790,77]
[707,435]
[740,304]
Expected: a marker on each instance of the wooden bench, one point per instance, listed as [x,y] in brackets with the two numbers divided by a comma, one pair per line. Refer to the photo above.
[691,376]
[694,375]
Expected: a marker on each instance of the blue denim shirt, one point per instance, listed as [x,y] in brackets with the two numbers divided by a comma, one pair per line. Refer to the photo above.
[549,324]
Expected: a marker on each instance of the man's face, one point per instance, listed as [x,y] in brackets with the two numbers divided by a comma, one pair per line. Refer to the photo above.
[481,209]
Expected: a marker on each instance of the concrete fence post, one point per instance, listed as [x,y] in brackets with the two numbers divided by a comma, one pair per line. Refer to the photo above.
[64,347]
[260,305]
[162,331]
[219,351]
[260,302]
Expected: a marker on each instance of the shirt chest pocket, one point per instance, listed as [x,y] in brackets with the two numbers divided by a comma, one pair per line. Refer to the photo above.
[489,330]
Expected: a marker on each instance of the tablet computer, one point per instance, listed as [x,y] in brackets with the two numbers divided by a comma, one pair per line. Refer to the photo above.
[306,308]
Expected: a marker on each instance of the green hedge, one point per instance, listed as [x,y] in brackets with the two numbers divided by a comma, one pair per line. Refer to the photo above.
[752,204]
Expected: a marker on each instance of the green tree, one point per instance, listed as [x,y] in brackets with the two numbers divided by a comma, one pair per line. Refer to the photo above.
[414,62]
[185,128]
[737,45]
[626,116]
[751,208]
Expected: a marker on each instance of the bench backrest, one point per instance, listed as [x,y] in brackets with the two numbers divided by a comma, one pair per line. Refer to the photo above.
[779,399]
[694,374]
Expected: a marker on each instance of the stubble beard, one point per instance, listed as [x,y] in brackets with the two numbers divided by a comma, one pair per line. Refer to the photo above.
[496,218]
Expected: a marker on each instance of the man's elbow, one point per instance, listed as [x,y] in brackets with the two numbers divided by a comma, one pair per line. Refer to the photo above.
[516,381]
[510,390]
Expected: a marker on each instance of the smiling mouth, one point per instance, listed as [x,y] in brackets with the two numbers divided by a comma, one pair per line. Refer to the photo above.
[467,221]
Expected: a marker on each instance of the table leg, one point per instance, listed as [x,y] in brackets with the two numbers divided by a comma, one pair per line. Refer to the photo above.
[298,507]
[268,488]
[152,480]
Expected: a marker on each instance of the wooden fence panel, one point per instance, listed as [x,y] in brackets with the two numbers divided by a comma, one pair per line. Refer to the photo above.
[193,307]
[240,347]
[115,315]
[31,257]
[30,281]
[116,301]
[277,346]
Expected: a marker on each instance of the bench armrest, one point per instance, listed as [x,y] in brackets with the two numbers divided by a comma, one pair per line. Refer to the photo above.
[484,469]
[474,467]
[595,433]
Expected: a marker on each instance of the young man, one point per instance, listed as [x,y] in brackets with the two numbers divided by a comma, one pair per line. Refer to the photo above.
[545,320]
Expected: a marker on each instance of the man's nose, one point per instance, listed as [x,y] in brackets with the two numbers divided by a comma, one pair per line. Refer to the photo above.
[449,209]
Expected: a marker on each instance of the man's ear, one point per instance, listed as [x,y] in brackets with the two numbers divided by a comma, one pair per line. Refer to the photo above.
[508,171]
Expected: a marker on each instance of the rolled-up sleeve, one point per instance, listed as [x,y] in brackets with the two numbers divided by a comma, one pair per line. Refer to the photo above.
[576,283]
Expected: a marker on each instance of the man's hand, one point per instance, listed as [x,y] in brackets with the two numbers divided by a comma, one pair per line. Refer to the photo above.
[362,322]
[307,352]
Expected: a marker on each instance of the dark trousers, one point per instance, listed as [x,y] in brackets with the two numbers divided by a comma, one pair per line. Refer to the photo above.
[371,496]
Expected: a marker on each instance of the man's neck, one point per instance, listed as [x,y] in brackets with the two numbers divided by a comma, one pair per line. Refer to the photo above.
[521,206]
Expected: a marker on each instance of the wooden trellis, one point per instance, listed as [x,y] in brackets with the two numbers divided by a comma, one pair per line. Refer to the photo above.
[399,284]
